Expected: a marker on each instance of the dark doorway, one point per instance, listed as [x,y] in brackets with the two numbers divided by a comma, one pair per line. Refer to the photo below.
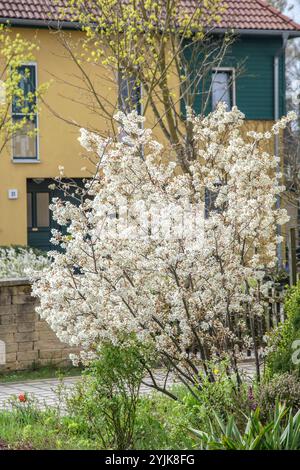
[39,218]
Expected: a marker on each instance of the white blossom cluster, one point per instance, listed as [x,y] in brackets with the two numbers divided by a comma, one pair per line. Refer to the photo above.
[181,293]
[15,262]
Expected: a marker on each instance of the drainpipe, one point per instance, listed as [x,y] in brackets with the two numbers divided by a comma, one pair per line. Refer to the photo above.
[277,56]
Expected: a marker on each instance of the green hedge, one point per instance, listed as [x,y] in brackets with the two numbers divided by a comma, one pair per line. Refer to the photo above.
[279,360]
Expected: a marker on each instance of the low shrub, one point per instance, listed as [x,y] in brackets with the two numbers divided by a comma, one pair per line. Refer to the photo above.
[15,260]
[224,396]
[284,388]
[161,423]
[104,404]
[280,358]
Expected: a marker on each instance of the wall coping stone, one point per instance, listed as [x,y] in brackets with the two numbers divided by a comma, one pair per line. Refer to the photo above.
[7,282]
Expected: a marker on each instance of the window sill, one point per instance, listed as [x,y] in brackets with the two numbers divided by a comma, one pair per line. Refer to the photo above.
[25,160]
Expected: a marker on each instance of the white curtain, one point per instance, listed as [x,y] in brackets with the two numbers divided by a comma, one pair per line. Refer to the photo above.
[221,89]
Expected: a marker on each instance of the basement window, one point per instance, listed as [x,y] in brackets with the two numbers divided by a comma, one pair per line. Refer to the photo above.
[24,115]
[223,87]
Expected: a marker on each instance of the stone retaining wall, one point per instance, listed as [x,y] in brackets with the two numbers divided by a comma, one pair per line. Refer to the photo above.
[25,339]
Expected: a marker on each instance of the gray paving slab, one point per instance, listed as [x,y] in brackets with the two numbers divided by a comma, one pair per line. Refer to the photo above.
[45,390]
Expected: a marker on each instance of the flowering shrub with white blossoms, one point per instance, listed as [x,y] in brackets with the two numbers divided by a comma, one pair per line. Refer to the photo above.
[144,256]
[15,262]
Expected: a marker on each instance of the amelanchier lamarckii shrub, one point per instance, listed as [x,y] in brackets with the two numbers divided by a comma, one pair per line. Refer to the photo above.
[143,256]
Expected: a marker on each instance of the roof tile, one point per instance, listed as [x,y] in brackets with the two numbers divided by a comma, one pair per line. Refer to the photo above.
[239,14]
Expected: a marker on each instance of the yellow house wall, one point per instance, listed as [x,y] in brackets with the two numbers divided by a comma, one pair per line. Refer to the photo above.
[58,144]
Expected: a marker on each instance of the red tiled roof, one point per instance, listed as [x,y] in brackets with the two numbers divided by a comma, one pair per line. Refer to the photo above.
[28,9]
[256,14]
[240,14]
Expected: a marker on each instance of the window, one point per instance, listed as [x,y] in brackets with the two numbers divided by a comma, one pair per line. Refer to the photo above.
[38,212]
[223,87]
[42,210]
[130,94]
[24,141]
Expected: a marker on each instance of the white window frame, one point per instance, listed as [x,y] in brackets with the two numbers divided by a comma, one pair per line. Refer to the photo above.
[37,158]
[231,70]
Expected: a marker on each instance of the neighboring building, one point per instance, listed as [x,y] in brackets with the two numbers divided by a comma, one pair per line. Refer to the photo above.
[29,164]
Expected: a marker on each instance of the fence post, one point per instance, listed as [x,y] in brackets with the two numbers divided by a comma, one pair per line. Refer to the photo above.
[293,258]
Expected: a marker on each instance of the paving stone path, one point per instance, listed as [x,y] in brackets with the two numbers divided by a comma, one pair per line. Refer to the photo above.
[45,390]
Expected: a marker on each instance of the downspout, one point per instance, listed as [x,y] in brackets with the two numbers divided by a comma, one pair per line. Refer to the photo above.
[277,56]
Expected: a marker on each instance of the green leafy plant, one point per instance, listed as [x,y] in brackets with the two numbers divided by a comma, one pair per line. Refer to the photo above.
[279,358]
[282,387]
[104,403]
[224,396]
[161,422]
[25,409]
[282,432]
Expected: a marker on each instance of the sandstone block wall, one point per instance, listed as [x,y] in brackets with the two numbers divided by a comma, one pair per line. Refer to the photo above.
[25,339]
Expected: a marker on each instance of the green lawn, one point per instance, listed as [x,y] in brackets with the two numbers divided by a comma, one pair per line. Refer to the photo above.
[46,372]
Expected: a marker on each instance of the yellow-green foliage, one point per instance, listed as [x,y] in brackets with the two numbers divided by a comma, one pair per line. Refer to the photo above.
[144,39]
[14,52]
[136,28]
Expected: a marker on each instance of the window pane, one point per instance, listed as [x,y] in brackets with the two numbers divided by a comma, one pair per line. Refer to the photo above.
[221,89]
[42,209]
[29,209]
[129,94]
[27,85]
[24,139]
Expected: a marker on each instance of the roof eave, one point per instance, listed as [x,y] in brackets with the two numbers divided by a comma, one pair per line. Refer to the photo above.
[54,24]
[260,32]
